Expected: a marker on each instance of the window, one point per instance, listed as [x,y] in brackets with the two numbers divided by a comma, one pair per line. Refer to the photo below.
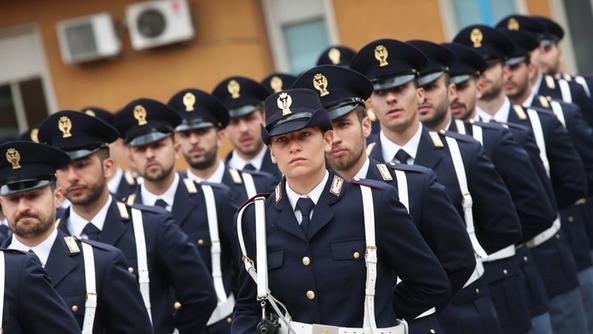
[461,13]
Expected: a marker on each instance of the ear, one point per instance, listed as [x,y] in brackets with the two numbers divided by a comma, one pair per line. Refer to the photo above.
[367,127]
[109,167]
[272,156]
[176,148]
[220,136]
[420,94]
[452,92]
[58,197]
[328,138]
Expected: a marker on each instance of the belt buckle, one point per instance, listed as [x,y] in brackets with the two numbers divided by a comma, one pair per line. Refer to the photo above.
[321,329]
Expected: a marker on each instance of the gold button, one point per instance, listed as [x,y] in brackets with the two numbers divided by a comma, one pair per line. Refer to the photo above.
[74,308]
[477,291]
[201,242]
[356,255]
[525,259]
[505,272]
[570,219]
[432,331]
[310,295]
[229,320]
[557,236]
[131,269]
[177,305]
[306,261]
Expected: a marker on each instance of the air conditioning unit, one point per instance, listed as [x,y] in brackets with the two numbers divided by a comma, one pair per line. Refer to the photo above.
[159,22]
[88,38]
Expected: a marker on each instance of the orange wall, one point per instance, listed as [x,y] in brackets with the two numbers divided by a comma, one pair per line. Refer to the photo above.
[539,7]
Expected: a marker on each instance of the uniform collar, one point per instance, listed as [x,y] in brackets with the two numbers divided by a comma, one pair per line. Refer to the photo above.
[216,177]
[501,115]
[389,148]
[76,223]
[168,196]
[529,101]
[113,184]
[362,173]
[238,163]
[537,84]
[314,194]
[42,250]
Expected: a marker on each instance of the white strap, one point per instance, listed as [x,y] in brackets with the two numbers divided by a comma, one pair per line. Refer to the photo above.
[90,306]
[557,110]
[261,250]
[304,328]
[222,310]
[581,81]
[402,188]
[545,235]
[370,259]
[2,282]
[467,200]
[215,249]
[538,132]
[504,253]
[565,91]
[143,275]
[477,134]
[249,185]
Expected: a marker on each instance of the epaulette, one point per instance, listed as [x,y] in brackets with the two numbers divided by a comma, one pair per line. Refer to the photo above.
[370,148]
[278,193]
[436,140]
[190,185]
[369,183]
[72,244]
[131,199]
[130,179]
[336,186]
[518,109]
[122,210]
[544,101]
[236,176]
[460,126]
[407,168]
[372,116]
[550,82]
[57,222]
[384,171]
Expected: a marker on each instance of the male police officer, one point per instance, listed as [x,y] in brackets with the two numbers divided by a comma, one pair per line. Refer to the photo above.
[92,278]
[28,302]
[243,99]
[200,136]
[560,160]
[342,92]
[158,252]
[318,228]
[392,66]
[203,211]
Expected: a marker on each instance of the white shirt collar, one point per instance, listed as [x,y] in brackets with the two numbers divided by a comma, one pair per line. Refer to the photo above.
[76,223]
[238,163]
[42,250]
[537,84]
[501,115]
[362,173]
[113,184]
[168,196]
[216,177]
[389,148]
[314,195]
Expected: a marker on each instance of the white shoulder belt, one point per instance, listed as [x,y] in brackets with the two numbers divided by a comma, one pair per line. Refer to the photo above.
[143,274]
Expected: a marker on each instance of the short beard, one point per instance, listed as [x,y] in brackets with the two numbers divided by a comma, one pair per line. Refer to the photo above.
[521,90]
[95,193]
[33,231]
[210,158]
[440,112]
[160,176]
[492,93]
[342,165]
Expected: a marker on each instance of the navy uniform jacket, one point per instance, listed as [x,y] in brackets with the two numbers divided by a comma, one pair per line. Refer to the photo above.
[120,308]
[335,245]
[566,168]
[436,218]
[189,212]
[267,165]
[514,166]
[174,267]
[31,305]
[496,228]
[579,96]
[127,185]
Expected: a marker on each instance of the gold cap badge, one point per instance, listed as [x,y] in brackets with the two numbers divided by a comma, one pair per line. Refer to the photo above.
[276,84]
[189,100]
[334,56]
[65,125]
[476,37]
[320,83]
[233,87]
[90,112]
[381,55]
[284,102]
[513,24]
[35,135]
[13,157]
[140,114]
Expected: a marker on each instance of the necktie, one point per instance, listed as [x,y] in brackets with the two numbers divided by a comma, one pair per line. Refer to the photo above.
[249,167]
[32,253]
[402,157]
[160,203]
[91,231]
[305,205]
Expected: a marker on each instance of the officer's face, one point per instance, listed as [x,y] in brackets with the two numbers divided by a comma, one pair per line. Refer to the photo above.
[348,146]
[491,81]
[516,80]
[85,180]
[464,99]
[397,108]
[550,57]
[301,154]
[200,146]
[32,213]
[244,133]
[435,106]
[156,161]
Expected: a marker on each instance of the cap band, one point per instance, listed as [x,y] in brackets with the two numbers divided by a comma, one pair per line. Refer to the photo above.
[392,82]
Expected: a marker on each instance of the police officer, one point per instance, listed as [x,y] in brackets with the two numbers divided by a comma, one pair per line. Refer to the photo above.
[560,160]
[243,99]
[276,82]
[392,66]
[92,278]
[162,257]
[342,92]
[336,55]
[200,136]
[204,211]
[29,303]
[314,259]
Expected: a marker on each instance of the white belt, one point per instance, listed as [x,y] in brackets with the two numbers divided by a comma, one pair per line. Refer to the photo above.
[545,235]
[222,310]
[502,254]
[478,272]
[302,328]
[141,255]
[427,313]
